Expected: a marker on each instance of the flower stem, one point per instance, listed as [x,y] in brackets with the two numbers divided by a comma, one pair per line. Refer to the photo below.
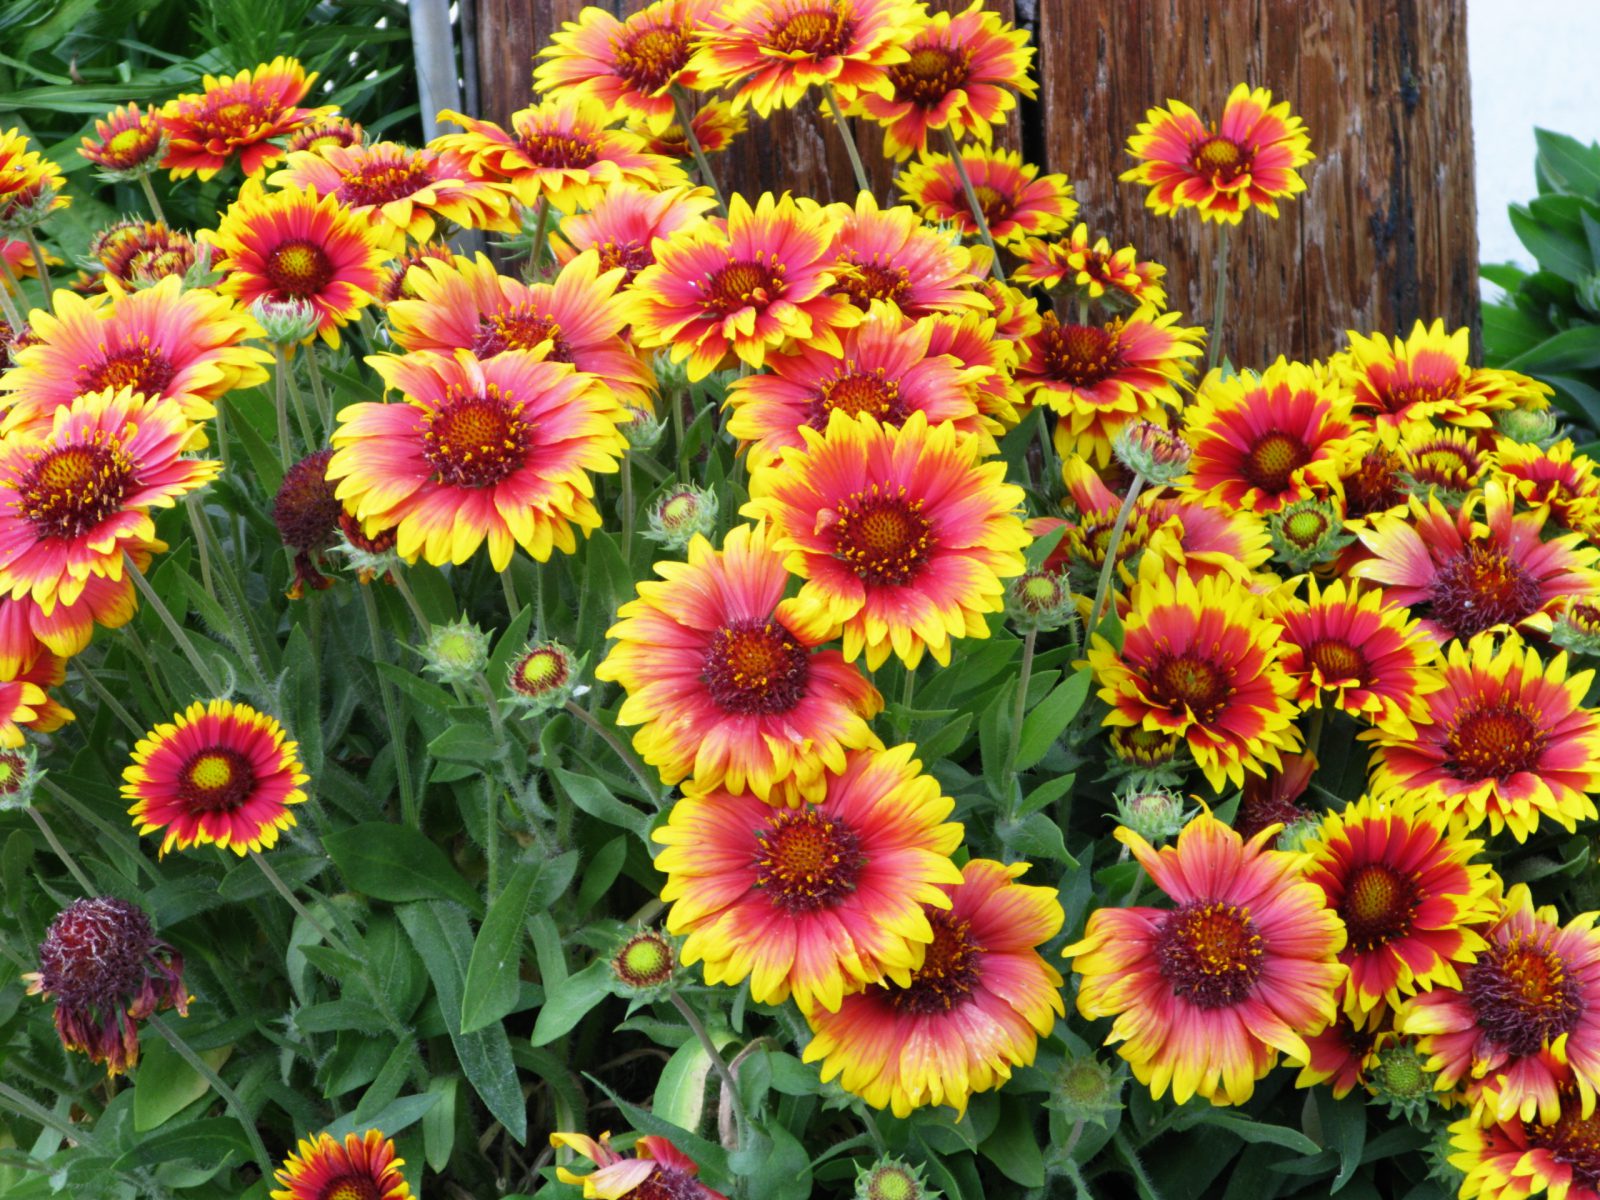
[150,195]
[304,421]
[706,177]
[977,208]
[280,389]
[111,702]
[856,165]
[410,597]
[61,852]
[148,593]
[35,1111]
[1030,642]
[304,913]
[202,544]
[718,1063]
[408,799]
[43,267]
[1110,565]
[229,1096]
[676,401]
[908,691]
[617,748]
[541,237]
[319,393]
[627,507]
[89,817]
[509,587]
[7,305]
[1219,298]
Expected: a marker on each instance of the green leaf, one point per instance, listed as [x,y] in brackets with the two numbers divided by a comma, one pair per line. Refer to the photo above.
[493,978]
[439,1123]
[444,940]
[1040,837]
[568,1001]
[397,863]
[946,740]
[780,1169]
[1568,164]
[464,743]
[166,1085]
[602,872]
[1344,1130]
[1050,718]
[207,1141]
[392,1118]
[1041,547]
[1259,1131]
[680,1095]
[594,798]
[1575,349]
[1047,793]
[1555,251]
[1013,1146]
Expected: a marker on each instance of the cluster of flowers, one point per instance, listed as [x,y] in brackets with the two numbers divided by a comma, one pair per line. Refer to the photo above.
[881,355]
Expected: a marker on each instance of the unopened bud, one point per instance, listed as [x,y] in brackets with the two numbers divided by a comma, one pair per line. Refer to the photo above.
[644,428]
[1153,451]
[1087,1090]
[646,960]
[456,652]
[892,1179]
[1308,532]
[1528,424]
[19,775]
[682,513]
[286,322]
[370,557]
[1040,600]
[1400,1076]
[542,677]
[1155,814]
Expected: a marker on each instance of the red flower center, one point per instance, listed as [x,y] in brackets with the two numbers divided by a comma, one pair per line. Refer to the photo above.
[632,257]
[1081,355]
[807,861]
[756,668]
[744,284]
[1494,741]
[1209,953]
[930,74]
[667,1183]
[229,118]
[997,206]
[856,392]
[1574,1142]
[949,971]
[380,180]
[1220,160]
[884,539]
[142,367]
[1338,660]
[651,57]
[1376,485]
[1522,995]
[813,32]
[217,779]
[299,268]
[1378,907]
[1273,459]
[555,149]
[70,490]
[865,282]
[351,1187]
[1482,587]
[475,441]
[520,328]
[1202,685]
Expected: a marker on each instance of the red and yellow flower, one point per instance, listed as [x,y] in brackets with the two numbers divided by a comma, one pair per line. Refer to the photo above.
[186,348]
[295,245]
[78,495]
[974,340]
[887,254]
[30,185]
[742,286]
[561,150]
[1094,269]
[141,253]
[328,131]
[1341,1054]
[1263,441]
[777,50]
[242,116]
[1557,478]
[1506,740]
[362,1167]
[127,142]
[1525,1020]
[1207,541]
[1101,377]
[972,1011]
[1249,159]
[1350,650]
[961,73]
[1515,1159]
[714,124]
[1208,993]
[814,901]
[219,773]
[1412,901]
[885,368]
[657,1168]
[499,451]
[1015,199]
[902,536]
[410,190]
[623,226]
[1200,661]
[724,682]
[1467,576]
[1448,460]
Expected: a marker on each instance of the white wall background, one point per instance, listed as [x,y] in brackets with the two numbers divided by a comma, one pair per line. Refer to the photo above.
[1533,63]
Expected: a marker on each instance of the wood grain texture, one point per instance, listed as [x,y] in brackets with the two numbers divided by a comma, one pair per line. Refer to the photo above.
[1384,235]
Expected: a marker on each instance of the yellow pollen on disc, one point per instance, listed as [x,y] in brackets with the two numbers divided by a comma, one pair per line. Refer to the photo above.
[1219,152]
[211,771]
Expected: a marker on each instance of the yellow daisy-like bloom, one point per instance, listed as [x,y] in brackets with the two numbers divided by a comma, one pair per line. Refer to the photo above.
[362,1167]
[30,185]
[218,773]
[240,115]
[126,143]
[1200,661]
[902,535]
[1515,1159]
[715,124]
[1095,269]
[1506,741]
[1558,478]
[815,901]
[1449,460]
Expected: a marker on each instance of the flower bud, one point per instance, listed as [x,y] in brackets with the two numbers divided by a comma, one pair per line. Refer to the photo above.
[286,322]
[455,652]
[1087,1090]
[542,677]
[644,428]
[1143,749]
[1307,533]
[680,514]
[1578,628]
[1400,1076]
[19,775]
[1529,424]
[646,960]
[892,1179]
[370,557]
[1298,836]
[330,131]
[671,377]
[1040,600]
[1152,450]
[1155,814]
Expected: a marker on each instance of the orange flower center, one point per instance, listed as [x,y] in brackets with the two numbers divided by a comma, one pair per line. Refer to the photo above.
[651,57]
[229,118]
[351,1187]
[806,861]
[856,392]
[1376,485]
[1482,587]
[520,328]
[1273,459]
[218,779]
[1220,159]
[997,206]
[1201,685]
[142,367]
[632,257]
[813,32]
[865,282]
[1338,660]
[298,268]
[556,149]
[930,74]
[756,668]
[380,180]
[883,538]
[1209,953]
[949,971]
[1081,355]
[1378,907]
[1574,1142]
[1522,995]
[475,441]
[744,284]
[1494,741]
[70,490]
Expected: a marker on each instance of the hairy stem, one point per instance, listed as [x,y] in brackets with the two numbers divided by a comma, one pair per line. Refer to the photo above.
[856,165]
[977,209]
[229,1096]
[1103,588]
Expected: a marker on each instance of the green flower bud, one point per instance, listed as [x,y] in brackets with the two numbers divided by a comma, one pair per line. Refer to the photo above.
[1528,424]
[643,429]
[892,1179]
[456,652]
[19,775]
[1040,600]
[542,677]
[1087,1090]
[680,514]
[646,960]
[1155,814]
[1153,451]
[286,322]
[1308,532]
[1401,1077]
[1298,835]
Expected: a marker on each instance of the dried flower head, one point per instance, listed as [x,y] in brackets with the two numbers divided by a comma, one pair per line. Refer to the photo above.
[307,516]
